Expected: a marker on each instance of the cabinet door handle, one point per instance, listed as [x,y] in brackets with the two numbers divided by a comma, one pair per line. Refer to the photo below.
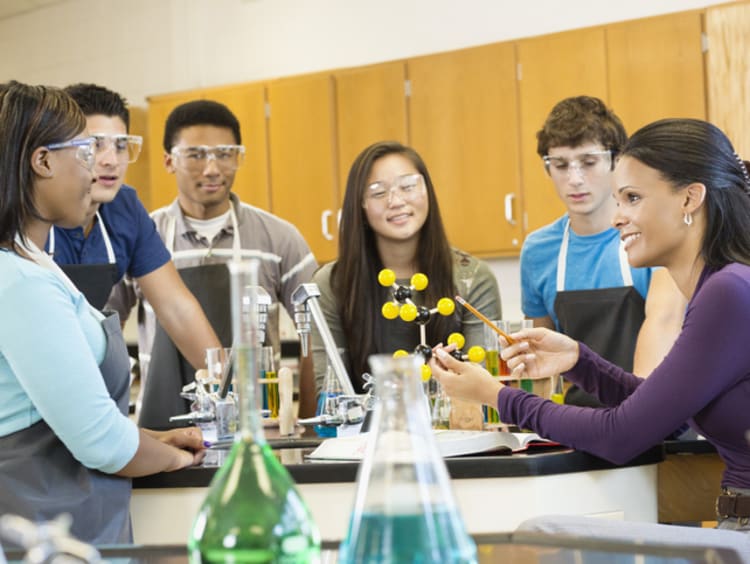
[324,224]
[509,198]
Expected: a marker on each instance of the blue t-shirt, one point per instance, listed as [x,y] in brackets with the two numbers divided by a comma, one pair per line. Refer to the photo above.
[137,246]
[593,262]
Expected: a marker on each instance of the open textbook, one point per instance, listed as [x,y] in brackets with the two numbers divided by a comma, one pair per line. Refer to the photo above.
[450,442]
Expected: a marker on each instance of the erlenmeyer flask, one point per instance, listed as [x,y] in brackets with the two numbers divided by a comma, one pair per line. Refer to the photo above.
[404,509]
[253,512]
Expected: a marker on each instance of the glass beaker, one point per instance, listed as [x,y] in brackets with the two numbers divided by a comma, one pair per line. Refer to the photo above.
[404,510]
[253,511]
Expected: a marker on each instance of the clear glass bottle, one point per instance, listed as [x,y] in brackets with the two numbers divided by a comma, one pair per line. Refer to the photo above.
[253,512]
[327,402]
[404,509]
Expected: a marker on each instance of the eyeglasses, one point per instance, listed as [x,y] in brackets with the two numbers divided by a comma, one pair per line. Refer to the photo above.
[585,163]
[85,150]
[408,187]
[196,159]
[126,147]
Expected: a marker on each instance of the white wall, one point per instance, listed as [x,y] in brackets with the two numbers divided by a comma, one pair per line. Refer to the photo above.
[145,47]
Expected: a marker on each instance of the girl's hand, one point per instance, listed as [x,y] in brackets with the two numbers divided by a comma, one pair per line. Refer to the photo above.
[187,439]
[464,380]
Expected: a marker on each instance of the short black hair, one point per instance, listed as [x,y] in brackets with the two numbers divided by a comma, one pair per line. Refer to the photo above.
[199,112]
[97,100]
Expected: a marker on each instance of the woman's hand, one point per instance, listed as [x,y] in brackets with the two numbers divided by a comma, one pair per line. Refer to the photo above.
[187,439]
[540,353]
[464,380]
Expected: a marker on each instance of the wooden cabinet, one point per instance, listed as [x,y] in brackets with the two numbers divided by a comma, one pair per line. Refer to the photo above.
[304,171]
[138,172]
[728,72]
[473,115]
[370,107]
[551,68]
[655,69]
[463,121]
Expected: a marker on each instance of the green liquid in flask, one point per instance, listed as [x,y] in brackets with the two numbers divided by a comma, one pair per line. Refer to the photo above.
[253,512]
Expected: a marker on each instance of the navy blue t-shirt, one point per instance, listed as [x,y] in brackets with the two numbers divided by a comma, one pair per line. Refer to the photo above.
[137,246]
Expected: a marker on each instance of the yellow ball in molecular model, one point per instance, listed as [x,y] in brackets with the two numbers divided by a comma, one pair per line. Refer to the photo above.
[400,353]
[426,372]
[445,306]
[408,312]
[476,354]
[390,310]
[456,339]
[419,281]
[386,277]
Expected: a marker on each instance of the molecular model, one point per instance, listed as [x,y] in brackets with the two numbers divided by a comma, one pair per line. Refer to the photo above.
[401,305]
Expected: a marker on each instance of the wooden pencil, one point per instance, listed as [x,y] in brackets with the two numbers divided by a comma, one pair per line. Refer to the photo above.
[481,316]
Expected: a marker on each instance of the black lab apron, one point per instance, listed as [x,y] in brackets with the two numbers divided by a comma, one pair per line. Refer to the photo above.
[606,319]
[40,478]
[168,370]
[95,281]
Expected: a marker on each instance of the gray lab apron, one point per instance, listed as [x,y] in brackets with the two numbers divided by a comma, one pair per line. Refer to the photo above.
[606,319]
[95,281]
[168,370]
[39,478]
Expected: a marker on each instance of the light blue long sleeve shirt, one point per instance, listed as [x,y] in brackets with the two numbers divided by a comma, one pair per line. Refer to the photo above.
[51,344]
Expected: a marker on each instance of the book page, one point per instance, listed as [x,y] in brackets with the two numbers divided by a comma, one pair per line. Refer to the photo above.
[450,442]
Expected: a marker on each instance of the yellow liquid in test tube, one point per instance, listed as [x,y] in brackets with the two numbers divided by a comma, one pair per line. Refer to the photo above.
[492,361]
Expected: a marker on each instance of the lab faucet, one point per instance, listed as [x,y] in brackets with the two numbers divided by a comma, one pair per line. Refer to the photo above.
[348,408]
[208,407]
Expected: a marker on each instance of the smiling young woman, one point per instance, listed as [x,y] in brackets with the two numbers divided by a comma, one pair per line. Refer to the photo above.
[391,219]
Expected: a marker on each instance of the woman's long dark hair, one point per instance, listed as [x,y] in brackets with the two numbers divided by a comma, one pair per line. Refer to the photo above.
[685,151]
[354,276]
[30,117]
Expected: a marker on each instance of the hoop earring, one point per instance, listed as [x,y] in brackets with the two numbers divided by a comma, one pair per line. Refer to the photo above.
[688,219]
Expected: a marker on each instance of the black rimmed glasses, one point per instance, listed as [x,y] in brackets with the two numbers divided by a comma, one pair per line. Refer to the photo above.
[407,187]
[85,150]
[126,147]
[196,159]
[592,161]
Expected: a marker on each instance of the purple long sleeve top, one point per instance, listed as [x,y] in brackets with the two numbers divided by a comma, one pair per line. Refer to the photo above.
[704,380]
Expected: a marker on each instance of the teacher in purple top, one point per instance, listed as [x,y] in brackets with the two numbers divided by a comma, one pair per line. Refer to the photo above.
[683,202]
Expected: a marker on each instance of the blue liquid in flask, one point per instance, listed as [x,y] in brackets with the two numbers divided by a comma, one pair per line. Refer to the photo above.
[416,538]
